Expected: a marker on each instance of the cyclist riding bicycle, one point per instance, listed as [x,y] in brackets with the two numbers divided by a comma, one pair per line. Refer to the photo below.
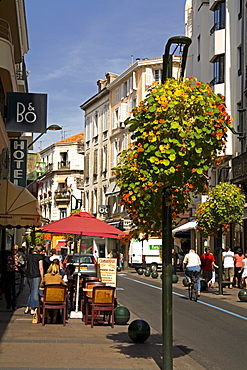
[191,263]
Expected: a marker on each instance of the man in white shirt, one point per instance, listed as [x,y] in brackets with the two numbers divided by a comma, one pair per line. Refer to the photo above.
[228,265]
[192,262]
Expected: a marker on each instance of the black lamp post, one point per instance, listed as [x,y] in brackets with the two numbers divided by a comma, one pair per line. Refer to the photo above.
[167,241]
[51,128]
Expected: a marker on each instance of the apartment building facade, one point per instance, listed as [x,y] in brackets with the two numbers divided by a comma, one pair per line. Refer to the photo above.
[218,55]
[60,186]
[106,135]
[13,78]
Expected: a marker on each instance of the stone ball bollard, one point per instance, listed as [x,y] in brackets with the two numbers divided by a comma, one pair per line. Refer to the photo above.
[139,331]
[140,271]
[242,295]
[121,315]
[154,274]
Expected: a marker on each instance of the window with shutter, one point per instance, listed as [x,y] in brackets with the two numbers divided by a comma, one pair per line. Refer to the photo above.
[105,119]
[124,90]
[123,113]
[115,118]
[86,171]
[96,125]
[87,129]
[134,81]
[117,96]
[157,75]
[124,142]
[149,76]
[131,84]
[95,162]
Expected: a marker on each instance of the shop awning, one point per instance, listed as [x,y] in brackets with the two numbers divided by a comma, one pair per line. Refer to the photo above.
[60,245]
[62,179]
[112,190]
[18,207]
[191,225]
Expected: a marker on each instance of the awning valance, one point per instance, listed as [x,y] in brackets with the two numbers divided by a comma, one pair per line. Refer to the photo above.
[191,225]
[62,179]
[112,190]
[18,207]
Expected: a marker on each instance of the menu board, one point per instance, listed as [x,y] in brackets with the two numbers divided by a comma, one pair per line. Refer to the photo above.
[108,271]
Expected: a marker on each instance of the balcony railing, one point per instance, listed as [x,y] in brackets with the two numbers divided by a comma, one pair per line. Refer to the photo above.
[63,165]
[5,32]
[239,168]
[61,197]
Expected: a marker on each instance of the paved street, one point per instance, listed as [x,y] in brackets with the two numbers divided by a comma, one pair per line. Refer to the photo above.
[77,346]
[203,330]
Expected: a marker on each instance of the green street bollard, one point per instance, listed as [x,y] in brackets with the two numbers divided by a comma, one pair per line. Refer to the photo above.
[139,331]
[242,295]
[154,274]
[147,272]
[185,281]
[174,278]
[140,271]
[121,315]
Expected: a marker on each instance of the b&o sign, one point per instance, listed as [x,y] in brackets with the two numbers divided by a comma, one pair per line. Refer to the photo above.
[26,112]
[18,164]
[104,210]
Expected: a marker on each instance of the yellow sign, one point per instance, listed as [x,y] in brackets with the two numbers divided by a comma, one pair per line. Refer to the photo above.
[108,271]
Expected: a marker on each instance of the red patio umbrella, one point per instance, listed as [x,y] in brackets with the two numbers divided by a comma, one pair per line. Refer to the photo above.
[83,223]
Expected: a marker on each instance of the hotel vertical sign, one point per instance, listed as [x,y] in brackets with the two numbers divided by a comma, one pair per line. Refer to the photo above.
[18,162]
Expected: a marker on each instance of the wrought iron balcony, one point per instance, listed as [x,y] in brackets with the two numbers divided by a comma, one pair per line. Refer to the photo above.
[63,165]
[239,168]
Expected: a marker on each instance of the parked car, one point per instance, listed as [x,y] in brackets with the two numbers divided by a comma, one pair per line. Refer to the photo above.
[87,263]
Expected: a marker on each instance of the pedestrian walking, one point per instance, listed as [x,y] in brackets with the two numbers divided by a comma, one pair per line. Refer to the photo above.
[13,275]
[175,262]
[238,259]
[228,265]
[207,265]
[243,271]
[34,273]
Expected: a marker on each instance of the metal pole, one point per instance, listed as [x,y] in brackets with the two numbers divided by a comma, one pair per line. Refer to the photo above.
[167,245]
[167,241]
[220,270]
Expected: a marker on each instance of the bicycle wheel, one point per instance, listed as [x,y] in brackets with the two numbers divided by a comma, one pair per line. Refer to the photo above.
[190,289]
[194,292]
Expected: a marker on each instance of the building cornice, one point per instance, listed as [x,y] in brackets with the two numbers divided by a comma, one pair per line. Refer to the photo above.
[94,98]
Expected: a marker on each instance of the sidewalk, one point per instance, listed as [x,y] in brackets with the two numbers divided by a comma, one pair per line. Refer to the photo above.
[76,346]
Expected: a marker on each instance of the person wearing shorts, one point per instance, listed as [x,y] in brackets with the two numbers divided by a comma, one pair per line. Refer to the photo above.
[228,265]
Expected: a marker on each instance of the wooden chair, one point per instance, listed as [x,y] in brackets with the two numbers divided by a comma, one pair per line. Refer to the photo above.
[54,299]
[81,293]
[88,297]
[103,300]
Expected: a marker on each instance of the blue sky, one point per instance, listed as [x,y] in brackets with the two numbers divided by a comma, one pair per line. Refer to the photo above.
[74,43]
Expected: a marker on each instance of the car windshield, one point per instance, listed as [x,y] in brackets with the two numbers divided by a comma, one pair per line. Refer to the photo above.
[83,259]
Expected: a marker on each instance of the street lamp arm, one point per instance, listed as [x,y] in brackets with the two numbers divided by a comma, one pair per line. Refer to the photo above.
[51,128]
[36,139]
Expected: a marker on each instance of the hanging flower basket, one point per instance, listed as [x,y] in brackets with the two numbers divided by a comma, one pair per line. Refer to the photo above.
[177,132]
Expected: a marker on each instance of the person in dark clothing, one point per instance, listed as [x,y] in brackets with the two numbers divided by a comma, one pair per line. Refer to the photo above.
[175,261]
[34,273]
[13,276]
[46,260]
